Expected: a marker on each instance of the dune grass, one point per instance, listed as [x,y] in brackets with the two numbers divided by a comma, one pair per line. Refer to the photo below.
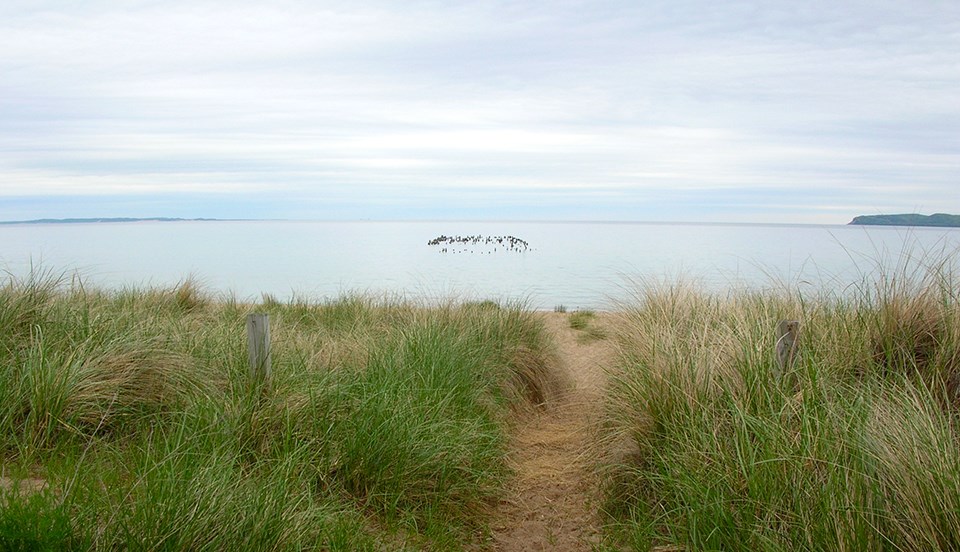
[854,448]
[581,320]
[384,426]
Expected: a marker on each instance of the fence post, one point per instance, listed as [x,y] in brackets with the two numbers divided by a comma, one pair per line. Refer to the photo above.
[788,332]
[258,349]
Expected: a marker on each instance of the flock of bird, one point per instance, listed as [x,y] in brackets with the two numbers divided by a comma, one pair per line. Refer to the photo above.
[459,244]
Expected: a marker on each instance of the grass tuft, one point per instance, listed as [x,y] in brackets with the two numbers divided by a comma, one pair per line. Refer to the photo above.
[36,521]
[580,319]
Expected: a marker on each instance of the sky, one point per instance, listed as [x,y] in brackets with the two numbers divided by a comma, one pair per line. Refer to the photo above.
[676,110]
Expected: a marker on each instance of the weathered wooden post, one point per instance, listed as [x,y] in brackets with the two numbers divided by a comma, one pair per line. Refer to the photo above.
[258,349]
[789,336]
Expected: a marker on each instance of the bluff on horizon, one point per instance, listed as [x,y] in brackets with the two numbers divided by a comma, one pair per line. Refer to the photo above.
[909,219]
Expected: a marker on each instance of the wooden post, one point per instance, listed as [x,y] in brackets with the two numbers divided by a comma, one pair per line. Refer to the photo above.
[258,349]
[789,335]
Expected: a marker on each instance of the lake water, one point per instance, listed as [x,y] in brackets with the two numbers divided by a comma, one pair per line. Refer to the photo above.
[578,265]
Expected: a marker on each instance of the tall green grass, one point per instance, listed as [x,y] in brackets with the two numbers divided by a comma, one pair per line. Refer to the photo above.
[384,426]
[855,448]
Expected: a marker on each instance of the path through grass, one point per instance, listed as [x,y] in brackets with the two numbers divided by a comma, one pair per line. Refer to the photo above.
[553,501]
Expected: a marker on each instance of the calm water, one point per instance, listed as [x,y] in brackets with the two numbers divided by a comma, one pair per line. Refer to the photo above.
[585,265]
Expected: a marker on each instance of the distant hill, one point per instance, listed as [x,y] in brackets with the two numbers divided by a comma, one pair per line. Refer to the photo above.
[911,219]
[105,219]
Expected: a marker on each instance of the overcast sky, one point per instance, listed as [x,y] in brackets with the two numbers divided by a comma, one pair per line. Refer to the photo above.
[635,110]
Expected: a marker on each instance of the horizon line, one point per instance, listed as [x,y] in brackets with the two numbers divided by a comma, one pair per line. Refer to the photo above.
[165,219]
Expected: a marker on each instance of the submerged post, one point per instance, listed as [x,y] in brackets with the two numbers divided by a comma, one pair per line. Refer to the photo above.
[789,334]
[258,349]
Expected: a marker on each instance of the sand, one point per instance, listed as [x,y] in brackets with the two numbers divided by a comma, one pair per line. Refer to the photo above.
[553,501]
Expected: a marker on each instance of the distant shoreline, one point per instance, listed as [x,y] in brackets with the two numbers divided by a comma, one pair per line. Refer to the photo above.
[940,220]
[116,220]
[92,220]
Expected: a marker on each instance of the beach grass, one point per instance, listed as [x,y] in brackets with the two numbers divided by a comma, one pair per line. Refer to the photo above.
[128,420]
[853,446]
[579,320]
[582,321]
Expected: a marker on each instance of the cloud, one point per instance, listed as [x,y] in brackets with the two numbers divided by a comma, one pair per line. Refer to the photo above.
[851,104]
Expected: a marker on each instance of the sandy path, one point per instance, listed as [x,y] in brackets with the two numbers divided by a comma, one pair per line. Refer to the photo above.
[552,504]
